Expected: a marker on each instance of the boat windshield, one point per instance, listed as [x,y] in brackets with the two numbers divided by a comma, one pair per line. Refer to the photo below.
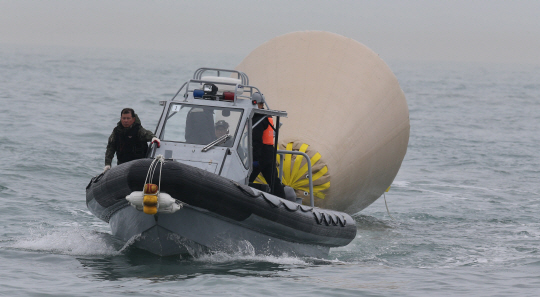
[198,124]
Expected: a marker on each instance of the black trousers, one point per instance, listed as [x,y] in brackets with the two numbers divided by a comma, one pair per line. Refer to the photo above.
[265,167]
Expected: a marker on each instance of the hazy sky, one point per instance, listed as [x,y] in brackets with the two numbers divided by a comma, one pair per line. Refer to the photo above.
[484,31]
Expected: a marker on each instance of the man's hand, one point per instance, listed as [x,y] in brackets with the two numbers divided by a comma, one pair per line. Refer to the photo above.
[107,167]
[156,140]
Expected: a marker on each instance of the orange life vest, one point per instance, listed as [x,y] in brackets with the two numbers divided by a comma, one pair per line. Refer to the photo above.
[268,134]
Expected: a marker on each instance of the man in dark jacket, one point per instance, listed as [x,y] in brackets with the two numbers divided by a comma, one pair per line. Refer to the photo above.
[263,150]
[128,139]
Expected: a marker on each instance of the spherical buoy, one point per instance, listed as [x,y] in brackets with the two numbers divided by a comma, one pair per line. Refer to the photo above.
[345,109]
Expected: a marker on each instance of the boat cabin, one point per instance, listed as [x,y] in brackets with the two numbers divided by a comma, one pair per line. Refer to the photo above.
[208,123]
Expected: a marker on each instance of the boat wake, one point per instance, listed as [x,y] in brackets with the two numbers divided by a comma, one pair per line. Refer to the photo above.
[243,256]
[74,241]
[232,252]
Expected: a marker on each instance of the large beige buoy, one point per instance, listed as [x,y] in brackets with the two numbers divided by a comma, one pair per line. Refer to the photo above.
[345,108]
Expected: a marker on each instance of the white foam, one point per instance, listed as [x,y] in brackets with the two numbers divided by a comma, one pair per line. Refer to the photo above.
[400,184]
[130,242]
[69,241]
[223,257]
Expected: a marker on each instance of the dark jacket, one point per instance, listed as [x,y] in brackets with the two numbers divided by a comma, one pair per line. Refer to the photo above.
[128,143]
[261,151]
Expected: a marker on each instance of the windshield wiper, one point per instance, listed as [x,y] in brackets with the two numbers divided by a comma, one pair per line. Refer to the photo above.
[220,140]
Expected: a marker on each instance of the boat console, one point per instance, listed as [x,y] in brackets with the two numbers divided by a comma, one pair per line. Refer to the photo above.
[207,124]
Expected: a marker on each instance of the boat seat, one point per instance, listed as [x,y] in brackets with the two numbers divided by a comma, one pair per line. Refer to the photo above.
[200,126]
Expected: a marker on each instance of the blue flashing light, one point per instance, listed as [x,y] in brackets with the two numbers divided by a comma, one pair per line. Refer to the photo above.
[198,93]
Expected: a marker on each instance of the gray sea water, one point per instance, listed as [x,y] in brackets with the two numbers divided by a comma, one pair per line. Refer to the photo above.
[466,202]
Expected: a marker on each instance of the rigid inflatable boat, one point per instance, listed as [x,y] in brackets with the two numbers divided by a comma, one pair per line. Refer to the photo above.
[192,194]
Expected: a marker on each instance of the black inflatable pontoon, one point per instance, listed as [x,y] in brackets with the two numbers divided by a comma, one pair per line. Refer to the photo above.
[217,214]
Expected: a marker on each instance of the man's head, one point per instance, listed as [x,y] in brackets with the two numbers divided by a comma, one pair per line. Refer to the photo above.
[222,128]
[127,117]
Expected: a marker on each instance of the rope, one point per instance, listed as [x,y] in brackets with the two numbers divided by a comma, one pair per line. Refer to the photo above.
[384,194]
[151,171]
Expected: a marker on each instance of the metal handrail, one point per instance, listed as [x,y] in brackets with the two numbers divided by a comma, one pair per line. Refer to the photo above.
[249,88]
[198,76]
[281,155]
[241,75]
[179,90]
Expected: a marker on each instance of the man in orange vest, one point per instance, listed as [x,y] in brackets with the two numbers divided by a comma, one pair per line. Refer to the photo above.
[263,149]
